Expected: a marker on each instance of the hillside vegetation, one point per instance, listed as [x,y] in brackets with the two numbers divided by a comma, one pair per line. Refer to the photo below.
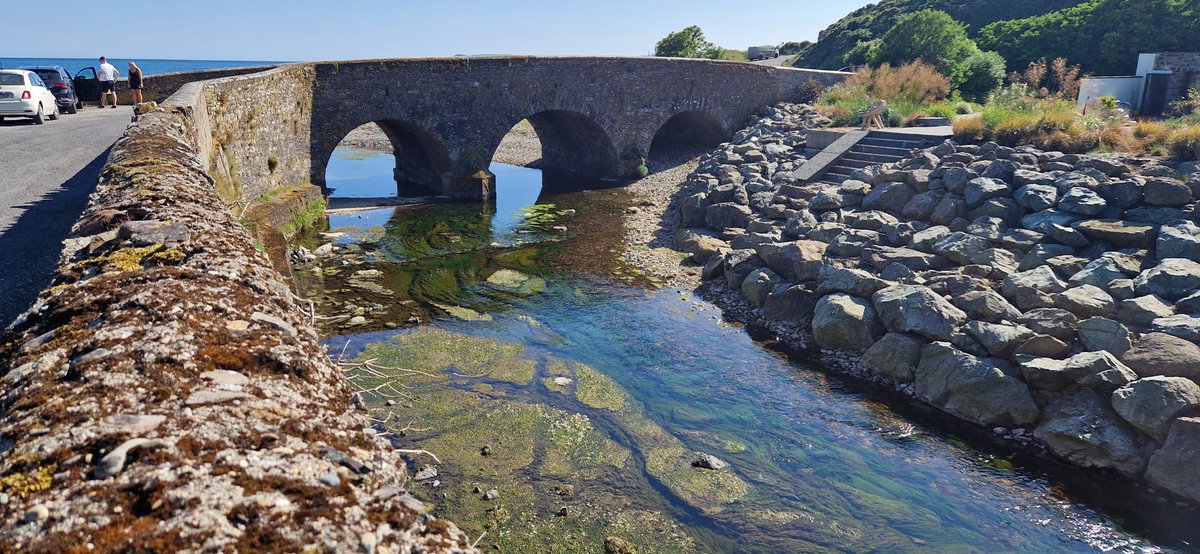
[873,21]
[1105,36]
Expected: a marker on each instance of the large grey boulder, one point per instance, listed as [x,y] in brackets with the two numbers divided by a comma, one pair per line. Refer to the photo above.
[758,285]
[1082,201]
[923,240]
[1166,192]
[1055,322]
[895,356]
[727,215]
[855,282]
[960,247]
[790,304]
[1096,370]
[1099,272]
[1085,301]
[799,260]
[1184,326]
[1151,404]
[1036,197]
[976,389]
[1039,254]
[1172,279]
[1125,193]
[1143,310]
[1163,354]
[850,243]
[1099,333]
[956,179]
[1179,239]
[981,189]
[1123,234]
[882,256]
[844,322]
[986,305]
[694,209]
[1083,429]
[737,264]
[916,309]
[998,340]
[1032,289]
[888,197]
[1173,467]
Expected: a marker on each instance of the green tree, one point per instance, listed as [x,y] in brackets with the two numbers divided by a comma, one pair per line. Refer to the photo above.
[929,35]
[979,75]
[687,43]
[862,53]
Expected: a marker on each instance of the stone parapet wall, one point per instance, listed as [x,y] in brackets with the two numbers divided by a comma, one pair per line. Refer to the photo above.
[156,88]
[167,394]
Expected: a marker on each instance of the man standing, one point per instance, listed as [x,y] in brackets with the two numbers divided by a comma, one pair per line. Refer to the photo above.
[108,75]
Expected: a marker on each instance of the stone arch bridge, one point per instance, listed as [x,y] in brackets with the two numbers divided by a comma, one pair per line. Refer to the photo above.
[595,116]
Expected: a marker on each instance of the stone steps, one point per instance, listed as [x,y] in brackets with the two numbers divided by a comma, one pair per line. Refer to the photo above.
[878,147]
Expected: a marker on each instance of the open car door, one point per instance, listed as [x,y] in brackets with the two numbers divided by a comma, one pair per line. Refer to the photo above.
[87,88]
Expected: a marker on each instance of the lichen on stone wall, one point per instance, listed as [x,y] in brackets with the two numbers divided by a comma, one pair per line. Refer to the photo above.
[167,393]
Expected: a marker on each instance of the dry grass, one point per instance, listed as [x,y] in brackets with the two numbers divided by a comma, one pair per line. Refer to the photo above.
[909,90]
[1184,143]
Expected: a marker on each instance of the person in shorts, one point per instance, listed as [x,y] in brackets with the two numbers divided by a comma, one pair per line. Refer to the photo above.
[108,76]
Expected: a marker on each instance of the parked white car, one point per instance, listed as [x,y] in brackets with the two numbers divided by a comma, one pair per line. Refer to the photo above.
[23,94]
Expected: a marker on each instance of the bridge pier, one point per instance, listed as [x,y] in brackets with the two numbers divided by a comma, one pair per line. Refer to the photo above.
[480,185]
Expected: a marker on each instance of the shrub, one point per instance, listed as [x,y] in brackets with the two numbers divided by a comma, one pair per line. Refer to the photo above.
[272,163]
[1056,79]
[810,91]
[1150,129]
[686,43]
[979,75]
[908,89]
[970,128]
[1184,143]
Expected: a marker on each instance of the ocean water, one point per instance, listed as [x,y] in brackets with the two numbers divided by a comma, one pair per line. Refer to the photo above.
[149,67]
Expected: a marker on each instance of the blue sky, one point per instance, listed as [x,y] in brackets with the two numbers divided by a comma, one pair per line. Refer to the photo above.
[328,29]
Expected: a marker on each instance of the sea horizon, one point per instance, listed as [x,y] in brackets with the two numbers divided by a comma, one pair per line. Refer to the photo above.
[149,66]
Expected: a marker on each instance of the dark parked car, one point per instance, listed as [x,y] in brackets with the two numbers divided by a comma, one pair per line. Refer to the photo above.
[69,92]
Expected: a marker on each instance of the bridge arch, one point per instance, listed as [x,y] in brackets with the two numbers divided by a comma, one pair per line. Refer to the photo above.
[420,157]
[689,129]
[575,143]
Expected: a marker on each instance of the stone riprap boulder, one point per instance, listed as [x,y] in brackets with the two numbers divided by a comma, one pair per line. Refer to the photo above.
[1006,286]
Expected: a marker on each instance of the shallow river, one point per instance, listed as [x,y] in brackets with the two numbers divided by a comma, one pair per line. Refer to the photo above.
[534,365]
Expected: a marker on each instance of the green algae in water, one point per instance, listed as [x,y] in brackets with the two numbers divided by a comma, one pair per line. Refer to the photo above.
[816,470]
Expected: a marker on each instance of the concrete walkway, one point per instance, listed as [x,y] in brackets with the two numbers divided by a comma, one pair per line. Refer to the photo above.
[46,174]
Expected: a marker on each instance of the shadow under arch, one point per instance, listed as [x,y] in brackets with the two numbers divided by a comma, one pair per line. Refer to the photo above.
[421,158]
[688,130]
[574,143]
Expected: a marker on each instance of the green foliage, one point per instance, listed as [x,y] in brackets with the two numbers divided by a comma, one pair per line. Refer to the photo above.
[928,35]
[1104,35]
[871,22]
[731,55]
[979,75]
[792,48]
[686,43]
[862,53]
[642,171]
[272,163]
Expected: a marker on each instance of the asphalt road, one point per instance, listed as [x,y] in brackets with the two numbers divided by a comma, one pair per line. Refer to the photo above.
[46,174]
[774,61]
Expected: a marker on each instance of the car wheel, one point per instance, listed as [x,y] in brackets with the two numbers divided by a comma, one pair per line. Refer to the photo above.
[54,114]
[38,119]
[72,109]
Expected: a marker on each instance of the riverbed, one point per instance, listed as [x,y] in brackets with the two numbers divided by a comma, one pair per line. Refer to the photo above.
[569,397]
